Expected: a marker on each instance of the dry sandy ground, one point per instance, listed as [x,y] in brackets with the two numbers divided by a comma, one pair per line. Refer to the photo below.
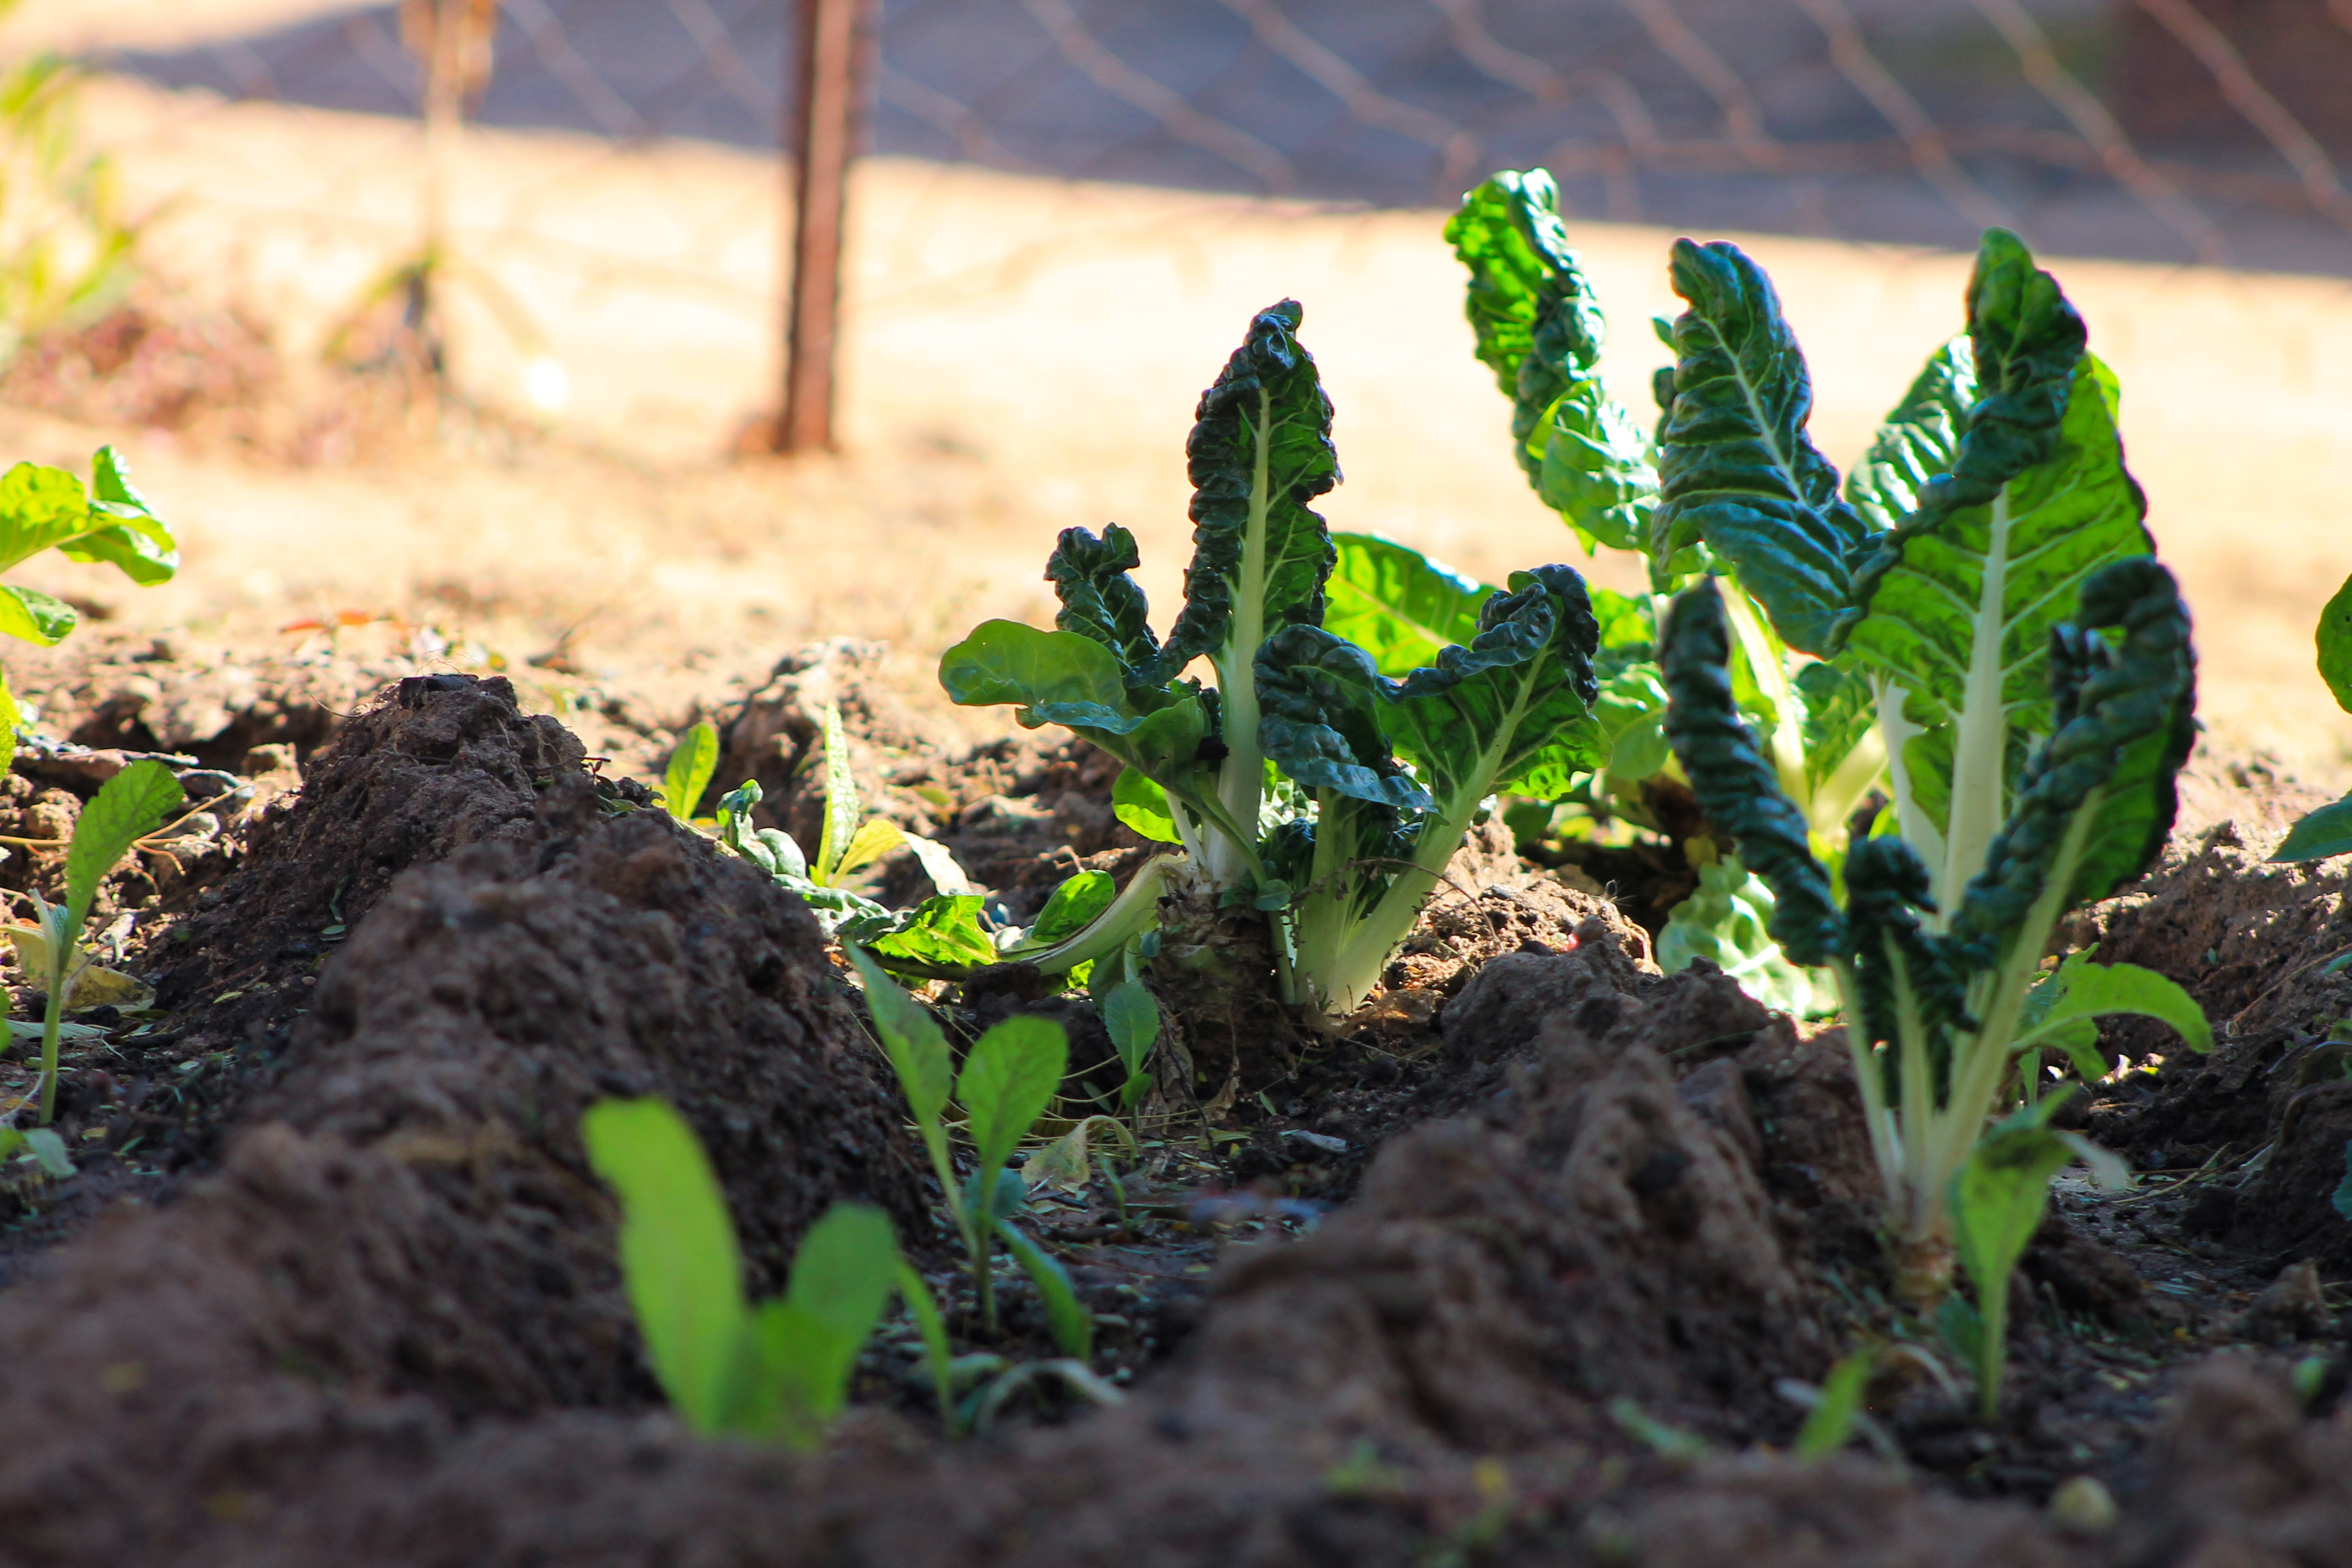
[1023,355]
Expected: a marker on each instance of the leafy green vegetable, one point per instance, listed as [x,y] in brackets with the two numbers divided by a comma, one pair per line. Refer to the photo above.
[1511,711]
[2061,1010]
[1935,1020]
[1398,604]
[1540,330]
[1726,920]
[1952,608]
[2318,835]
[690,767]
[781,1370]
[1736,471]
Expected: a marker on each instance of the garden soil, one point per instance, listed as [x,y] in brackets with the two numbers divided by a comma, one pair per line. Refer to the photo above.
[1570,1248]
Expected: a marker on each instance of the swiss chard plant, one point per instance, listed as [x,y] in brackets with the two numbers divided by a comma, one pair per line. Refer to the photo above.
[1945,1025]
[2328,832]
[1324,783]
[780,1370]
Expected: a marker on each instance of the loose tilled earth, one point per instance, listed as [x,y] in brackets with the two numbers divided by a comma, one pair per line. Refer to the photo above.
[1537,1264]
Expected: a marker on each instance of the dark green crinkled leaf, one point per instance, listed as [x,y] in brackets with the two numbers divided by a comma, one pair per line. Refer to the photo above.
[1319,720]
[1887,887]
[1918,440]
[1099,600]
[1268,396]
[1739,790]
[1540,330]
[2125,724]
[1398,604]
[1738,472]
[1513,708]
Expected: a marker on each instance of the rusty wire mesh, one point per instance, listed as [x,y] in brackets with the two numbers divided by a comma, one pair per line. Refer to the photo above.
[1903,121]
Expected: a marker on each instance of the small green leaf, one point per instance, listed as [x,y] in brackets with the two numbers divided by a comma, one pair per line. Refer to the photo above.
[1131,1015]
[127,808]
[1074,677]
[1830,1423]
[690,767]
[876,837]
[1997,1201]
[1143,805]
[48,1151]
[842,1279]
[1074,1326]
[2323,834]
[36,617]
[944,934]
[1077,901]
[1007,1082]
[840,801]
[2335,638]
[678,1258]
[2084,990]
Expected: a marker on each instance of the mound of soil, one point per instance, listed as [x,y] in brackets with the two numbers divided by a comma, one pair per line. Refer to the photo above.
[1538,1260]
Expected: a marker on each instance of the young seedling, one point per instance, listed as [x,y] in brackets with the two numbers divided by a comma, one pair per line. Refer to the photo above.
[690,767]
[1010,1077]
[780,1370]
[127,808]
[1131,1015]
[48,509]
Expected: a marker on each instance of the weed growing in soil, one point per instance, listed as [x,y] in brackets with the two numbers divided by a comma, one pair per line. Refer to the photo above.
[1009,1080]
[128,807]
[690,771]
[780,1370]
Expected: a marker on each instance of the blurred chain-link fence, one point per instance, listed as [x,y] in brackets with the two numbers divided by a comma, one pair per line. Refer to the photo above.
[2160,130]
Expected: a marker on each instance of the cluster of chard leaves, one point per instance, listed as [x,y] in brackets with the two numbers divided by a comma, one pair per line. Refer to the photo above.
[2328,832]
[778,1371]
[1322,778]
[108,522]
[1726,463]
[1990,578]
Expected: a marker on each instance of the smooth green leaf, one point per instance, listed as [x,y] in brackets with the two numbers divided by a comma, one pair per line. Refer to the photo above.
[1540,330]
[1736,471]
[1831,1423]
[913,1041]
[2320,834]
[1997,1202]
[690,767]
[34,617]
[841,803]
[842,1279]
[1131,1015]
[136,543]
[1056,678]
[2084,990]
[875,837]
[1008,1080]
[1073,1325]
[1143,806]
[2335,639]
[40,509]
[1397,604]
[678,1258]
[127,808]
[1077,901]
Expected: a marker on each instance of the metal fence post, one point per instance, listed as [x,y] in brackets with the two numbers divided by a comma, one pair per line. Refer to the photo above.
[828,105]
